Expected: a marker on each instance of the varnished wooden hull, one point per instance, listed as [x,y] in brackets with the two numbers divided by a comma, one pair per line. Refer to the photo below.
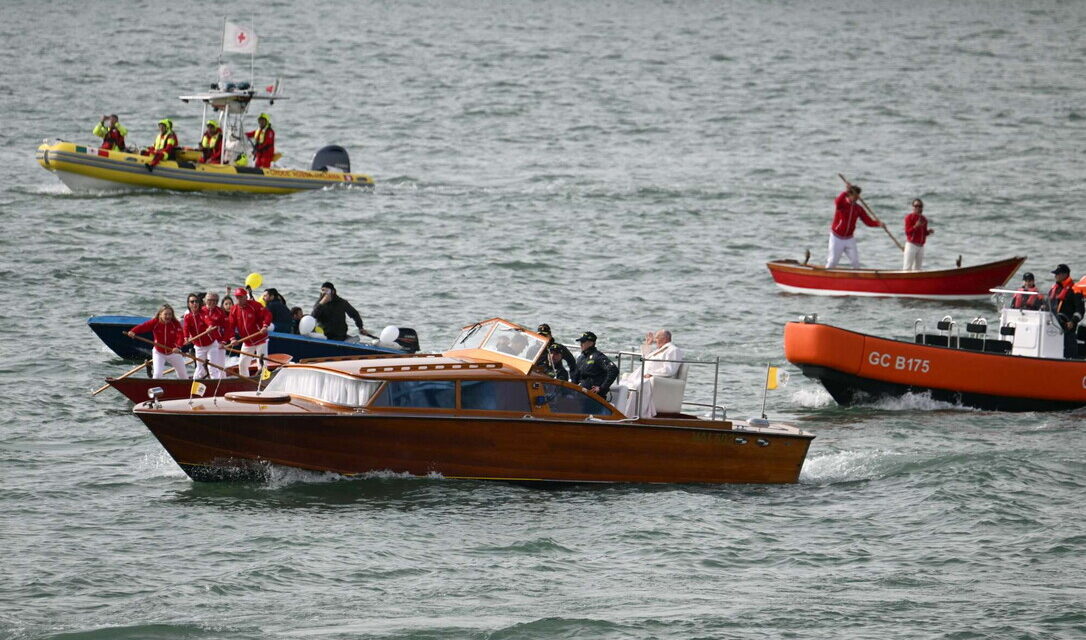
[226,446]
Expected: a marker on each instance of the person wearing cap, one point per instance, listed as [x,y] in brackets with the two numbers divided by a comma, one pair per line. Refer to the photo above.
[916,234]
[594,370]
[555,360]
[168,336]
[211,143]
[331,313]
[847,211]
[1066,304]
[1024,300]
[111,132]
[250,322]
[263,142]
[165,147]
[662,360]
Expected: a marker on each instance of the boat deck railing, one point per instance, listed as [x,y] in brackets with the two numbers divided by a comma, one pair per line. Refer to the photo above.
[635,356]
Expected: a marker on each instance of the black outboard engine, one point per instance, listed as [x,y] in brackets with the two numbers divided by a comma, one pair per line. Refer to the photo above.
[332,157]
[408,339]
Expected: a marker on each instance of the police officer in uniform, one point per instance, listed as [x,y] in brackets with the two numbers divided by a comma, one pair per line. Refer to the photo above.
[555,357]
[594,371]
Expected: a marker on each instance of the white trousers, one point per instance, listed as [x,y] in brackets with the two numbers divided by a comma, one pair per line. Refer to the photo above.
[626,400]
[914,257]
[159,361]
[244,360]
[213,353]
[842,245]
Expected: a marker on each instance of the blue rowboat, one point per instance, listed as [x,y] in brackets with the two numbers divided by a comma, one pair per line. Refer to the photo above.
[111,330]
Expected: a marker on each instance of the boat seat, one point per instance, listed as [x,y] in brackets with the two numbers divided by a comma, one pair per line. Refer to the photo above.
[667,393]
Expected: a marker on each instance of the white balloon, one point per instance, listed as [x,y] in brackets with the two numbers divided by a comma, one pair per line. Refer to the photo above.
[306,325]
[389,334]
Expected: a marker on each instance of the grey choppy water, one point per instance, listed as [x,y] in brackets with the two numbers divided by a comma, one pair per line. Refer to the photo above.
[605,166]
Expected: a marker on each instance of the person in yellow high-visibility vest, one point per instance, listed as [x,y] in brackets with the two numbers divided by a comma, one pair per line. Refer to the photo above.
[165,144]
[111,132]
[211,143]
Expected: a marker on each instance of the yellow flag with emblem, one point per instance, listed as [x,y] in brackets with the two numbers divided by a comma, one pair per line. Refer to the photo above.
[774,378]
[198,388]
[265,374]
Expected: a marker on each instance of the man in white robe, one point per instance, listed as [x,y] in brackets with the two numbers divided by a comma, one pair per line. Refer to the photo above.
[660,357]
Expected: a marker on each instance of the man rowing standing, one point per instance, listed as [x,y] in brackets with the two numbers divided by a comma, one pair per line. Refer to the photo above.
[847,212]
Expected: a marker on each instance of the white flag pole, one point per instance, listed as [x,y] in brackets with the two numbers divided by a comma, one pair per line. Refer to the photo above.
[252,57]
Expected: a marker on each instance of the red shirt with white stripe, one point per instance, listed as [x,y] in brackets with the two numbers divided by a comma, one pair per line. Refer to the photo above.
[169,334]
[248,317]
[845,216]
[217,317]
[195,324]
[916,228]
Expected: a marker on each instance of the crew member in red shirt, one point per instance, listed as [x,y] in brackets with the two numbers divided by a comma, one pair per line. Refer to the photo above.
[199,333]
[1025,300]
[248,318]
[168,337]
[916,233]
[263,142]
[214,315]
[845,215]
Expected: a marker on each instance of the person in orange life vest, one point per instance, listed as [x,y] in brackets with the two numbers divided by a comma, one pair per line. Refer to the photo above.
[111,132]
[211,144]
[916,233]
[214,315]
[247,318]
[1024,300]
[846,212]
[168,334]
[1066,304]
[263,142]
[165,144]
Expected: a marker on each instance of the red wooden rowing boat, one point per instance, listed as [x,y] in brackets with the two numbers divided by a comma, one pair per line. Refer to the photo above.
[135,389]
[961,282]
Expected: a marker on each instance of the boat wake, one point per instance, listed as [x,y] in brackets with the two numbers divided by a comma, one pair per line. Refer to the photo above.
[914,402]
[278,477]
[845,466]
[159,465]
[812,398]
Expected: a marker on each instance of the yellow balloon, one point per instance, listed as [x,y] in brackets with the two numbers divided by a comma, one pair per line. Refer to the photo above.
[254,280]
[261,301]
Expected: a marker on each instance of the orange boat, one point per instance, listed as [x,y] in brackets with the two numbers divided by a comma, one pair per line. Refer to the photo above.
[1021,369]
[476,411]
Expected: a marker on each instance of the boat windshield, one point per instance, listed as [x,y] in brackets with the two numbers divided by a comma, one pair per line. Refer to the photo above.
[502,337]
[326,386]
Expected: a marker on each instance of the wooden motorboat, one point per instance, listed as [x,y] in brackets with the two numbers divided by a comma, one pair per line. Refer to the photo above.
[960,282]
[476,411]
[111,330]
[1020,368]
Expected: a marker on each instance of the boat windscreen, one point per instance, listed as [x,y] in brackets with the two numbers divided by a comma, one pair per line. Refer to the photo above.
[515,342]
[325,386]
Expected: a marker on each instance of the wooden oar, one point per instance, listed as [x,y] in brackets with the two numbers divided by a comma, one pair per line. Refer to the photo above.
[200,335]
[872,213]
[134,369]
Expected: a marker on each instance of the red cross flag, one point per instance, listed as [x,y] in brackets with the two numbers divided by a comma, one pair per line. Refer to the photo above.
[236,39]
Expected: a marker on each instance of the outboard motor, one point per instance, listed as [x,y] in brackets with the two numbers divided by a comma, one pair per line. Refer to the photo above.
[332,157]
[408,339]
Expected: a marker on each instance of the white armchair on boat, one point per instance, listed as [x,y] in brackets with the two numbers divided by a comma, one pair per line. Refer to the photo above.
[667,393]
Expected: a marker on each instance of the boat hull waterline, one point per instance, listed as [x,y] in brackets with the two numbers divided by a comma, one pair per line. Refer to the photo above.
[856,367]
[239,446]
[958,283]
